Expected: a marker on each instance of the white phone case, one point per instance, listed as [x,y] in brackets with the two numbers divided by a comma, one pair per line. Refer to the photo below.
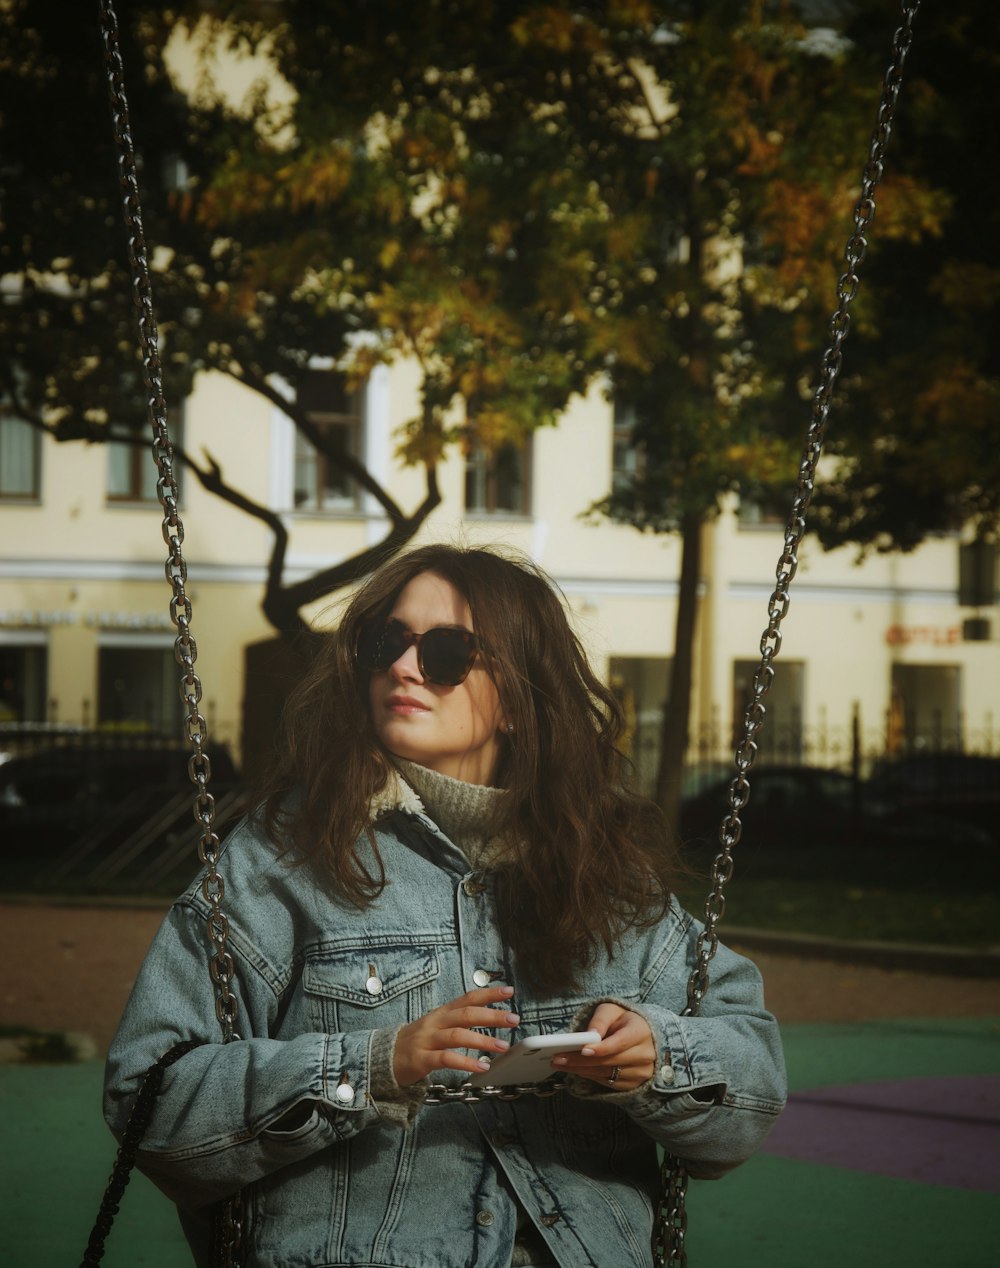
[529,1061]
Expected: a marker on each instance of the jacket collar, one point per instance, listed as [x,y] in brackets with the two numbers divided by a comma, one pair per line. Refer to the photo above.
[395,794]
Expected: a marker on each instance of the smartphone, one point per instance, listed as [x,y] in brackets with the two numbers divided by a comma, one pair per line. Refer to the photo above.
[529,1060]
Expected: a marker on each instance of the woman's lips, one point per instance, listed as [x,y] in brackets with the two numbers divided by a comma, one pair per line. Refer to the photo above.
[405,705]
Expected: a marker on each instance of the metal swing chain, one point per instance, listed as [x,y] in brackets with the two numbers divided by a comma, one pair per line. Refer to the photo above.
[671,1222]
[221,966]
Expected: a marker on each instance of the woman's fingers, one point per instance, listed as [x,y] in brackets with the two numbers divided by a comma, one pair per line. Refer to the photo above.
[623,1059]
[428,1043]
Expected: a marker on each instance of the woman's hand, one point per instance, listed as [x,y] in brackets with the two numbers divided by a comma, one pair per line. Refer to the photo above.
[428,1043]
[625,1057]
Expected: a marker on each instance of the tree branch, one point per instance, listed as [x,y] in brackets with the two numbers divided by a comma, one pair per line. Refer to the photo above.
[317,437]
[350,570]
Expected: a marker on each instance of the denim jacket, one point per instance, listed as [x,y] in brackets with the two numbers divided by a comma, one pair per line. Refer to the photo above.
[287,1112]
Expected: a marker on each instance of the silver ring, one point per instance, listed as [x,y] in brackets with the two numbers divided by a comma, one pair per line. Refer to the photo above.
[614,1076]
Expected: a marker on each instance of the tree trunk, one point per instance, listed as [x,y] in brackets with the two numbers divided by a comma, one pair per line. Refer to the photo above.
[674,733]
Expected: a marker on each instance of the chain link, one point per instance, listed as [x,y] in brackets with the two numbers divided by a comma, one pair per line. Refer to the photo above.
[466,1094]
[175,568]
[671,1218]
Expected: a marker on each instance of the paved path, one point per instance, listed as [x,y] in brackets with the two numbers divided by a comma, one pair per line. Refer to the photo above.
[71,968]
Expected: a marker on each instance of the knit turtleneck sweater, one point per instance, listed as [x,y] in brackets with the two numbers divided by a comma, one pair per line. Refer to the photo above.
[465,813]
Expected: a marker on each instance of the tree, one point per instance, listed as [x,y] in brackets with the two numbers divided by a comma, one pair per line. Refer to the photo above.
[761,155]
[268,254]
[525,197]
[684,178]
[67,350]
[915,434]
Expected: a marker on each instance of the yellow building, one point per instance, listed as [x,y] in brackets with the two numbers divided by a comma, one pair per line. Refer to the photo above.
[86,639]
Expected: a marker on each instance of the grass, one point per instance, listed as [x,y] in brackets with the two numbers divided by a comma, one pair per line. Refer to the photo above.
[851,894]
[856,913]
[913,896]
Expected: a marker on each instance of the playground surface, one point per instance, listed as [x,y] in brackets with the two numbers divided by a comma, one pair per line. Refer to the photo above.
[888,1153]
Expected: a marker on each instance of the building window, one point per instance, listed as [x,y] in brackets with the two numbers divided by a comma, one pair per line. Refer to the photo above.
[626,454]
[132,469]
[925,714]
[782,737]
[23,678]
[20,459]
[320,484]
[641,685]
[769,512]
[137,689]
[498,481]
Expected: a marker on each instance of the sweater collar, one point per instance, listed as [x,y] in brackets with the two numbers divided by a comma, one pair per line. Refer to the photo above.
[464,812]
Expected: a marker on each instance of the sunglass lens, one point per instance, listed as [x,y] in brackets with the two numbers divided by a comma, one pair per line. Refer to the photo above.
[382,645]
[447,656]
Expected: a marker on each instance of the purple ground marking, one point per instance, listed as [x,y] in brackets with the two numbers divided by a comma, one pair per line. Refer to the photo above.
[943,1131]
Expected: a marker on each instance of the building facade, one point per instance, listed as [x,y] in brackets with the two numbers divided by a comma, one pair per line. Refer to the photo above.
[875,655]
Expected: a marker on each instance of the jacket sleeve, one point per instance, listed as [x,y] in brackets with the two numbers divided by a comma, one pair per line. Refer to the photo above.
[230,1113]
[719,1081]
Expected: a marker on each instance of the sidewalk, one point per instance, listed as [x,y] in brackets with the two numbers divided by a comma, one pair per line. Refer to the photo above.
[888,1156]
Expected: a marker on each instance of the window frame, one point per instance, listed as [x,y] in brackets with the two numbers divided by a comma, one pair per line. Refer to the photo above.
[353,422]
[142,466]
[22,496]
[628,459]
[481,465]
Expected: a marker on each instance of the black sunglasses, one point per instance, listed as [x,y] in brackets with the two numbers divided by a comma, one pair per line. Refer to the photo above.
[445,654]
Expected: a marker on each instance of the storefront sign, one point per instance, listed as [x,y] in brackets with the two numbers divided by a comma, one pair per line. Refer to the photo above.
[42,618]
[29,619]
[928,635]
[128,620]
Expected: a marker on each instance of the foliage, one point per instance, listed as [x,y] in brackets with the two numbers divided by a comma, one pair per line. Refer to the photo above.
[915,436]
[522,196]
[526,198]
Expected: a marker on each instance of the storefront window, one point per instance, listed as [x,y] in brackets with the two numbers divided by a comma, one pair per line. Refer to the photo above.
[22,683]
[782,737]
[641,685]
[138,689]
[925,711]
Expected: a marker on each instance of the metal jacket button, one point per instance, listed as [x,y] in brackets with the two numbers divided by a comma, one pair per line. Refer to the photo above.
[666,1074]
[472,888]
[482,977]
[374,986]
[484,1218]
[344,1091]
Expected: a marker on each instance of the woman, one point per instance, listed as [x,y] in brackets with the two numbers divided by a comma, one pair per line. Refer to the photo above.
[447,861]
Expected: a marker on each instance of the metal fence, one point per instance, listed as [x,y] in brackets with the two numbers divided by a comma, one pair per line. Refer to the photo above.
[856,747]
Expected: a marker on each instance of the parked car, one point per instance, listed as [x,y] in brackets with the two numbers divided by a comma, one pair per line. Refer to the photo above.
[961,787]
[805,807]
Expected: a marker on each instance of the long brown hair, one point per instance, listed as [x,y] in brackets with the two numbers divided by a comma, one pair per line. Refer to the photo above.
[587,858]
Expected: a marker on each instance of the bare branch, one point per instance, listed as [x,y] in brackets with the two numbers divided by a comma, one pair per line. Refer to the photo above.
[360,565]
[316,436]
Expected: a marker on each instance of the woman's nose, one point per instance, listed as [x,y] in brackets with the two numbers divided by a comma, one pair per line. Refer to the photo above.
[406,668]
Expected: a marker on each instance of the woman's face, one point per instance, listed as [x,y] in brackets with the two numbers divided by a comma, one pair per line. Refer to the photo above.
[452,730]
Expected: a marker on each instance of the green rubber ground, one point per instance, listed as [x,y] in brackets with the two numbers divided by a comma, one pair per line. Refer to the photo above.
[775,1212]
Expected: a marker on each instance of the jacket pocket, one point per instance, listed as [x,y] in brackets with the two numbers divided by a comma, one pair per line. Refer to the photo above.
[369,987]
